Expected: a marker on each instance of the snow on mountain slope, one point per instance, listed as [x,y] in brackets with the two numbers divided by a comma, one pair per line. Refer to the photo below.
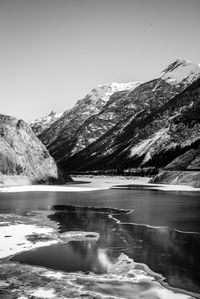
[114,125]
[106,90]
[181,71]
[71,120]
[41,124]
[128,144]
[97,97]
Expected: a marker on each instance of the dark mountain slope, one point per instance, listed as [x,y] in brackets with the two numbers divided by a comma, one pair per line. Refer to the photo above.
[72,119]
[90,121]
[153,137]
[119,111]
[78,127]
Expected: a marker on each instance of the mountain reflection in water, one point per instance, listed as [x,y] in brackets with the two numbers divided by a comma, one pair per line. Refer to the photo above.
[169,252]
[74,256]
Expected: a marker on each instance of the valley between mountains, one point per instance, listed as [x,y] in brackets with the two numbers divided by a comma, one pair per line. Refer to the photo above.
[117,128]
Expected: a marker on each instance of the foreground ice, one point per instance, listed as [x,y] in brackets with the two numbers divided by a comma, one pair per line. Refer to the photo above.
[125,279]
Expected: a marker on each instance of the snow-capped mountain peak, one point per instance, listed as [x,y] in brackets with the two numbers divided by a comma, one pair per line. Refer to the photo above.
[181,71]
[40,124]
[104,91]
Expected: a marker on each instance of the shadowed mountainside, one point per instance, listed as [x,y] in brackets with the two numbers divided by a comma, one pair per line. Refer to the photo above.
[78,127]
[166,136]
[143,125]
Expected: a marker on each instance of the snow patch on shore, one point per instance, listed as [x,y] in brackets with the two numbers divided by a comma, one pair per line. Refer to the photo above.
[48,188]
[98,185]
[14,238]
[42,293]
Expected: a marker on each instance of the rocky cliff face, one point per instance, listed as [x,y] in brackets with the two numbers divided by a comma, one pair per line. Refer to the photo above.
[139,130]
[22,153]
[78,126]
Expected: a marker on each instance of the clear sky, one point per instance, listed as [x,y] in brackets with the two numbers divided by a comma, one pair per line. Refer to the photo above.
[52,52]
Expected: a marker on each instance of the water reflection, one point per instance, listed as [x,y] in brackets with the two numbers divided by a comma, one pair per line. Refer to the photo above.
[172,253]
[74,256]
[169,252]
[175,210]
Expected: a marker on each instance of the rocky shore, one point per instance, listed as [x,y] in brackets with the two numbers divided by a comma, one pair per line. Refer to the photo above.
[189,178]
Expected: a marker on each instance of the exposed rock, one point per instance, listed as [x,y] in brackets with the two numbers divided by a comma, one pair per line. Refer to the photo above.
[23,154]
[190,178]
[14,180]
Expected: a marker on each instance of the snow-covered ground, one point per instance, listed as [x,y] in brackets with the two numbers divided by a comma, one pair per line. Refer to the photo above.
[13,238]
[91,183]
[18,236]
[125,279]
[48,188]
[181,71]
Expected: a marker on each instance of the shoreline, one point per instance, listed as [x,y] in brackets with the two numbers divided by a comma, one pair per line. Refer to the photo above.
[46,188]
[96,183]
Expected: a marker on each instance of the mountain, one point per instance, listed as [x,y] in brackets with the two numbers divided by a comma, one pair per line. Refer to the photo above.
[23,154]
[75,129]
[168,137]
[43,123]
[141,135]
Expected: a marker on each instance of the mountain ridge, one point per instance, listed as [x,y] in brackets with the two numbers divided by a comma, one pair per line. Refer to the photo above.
[124,142]
[73,119]
[120,109]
